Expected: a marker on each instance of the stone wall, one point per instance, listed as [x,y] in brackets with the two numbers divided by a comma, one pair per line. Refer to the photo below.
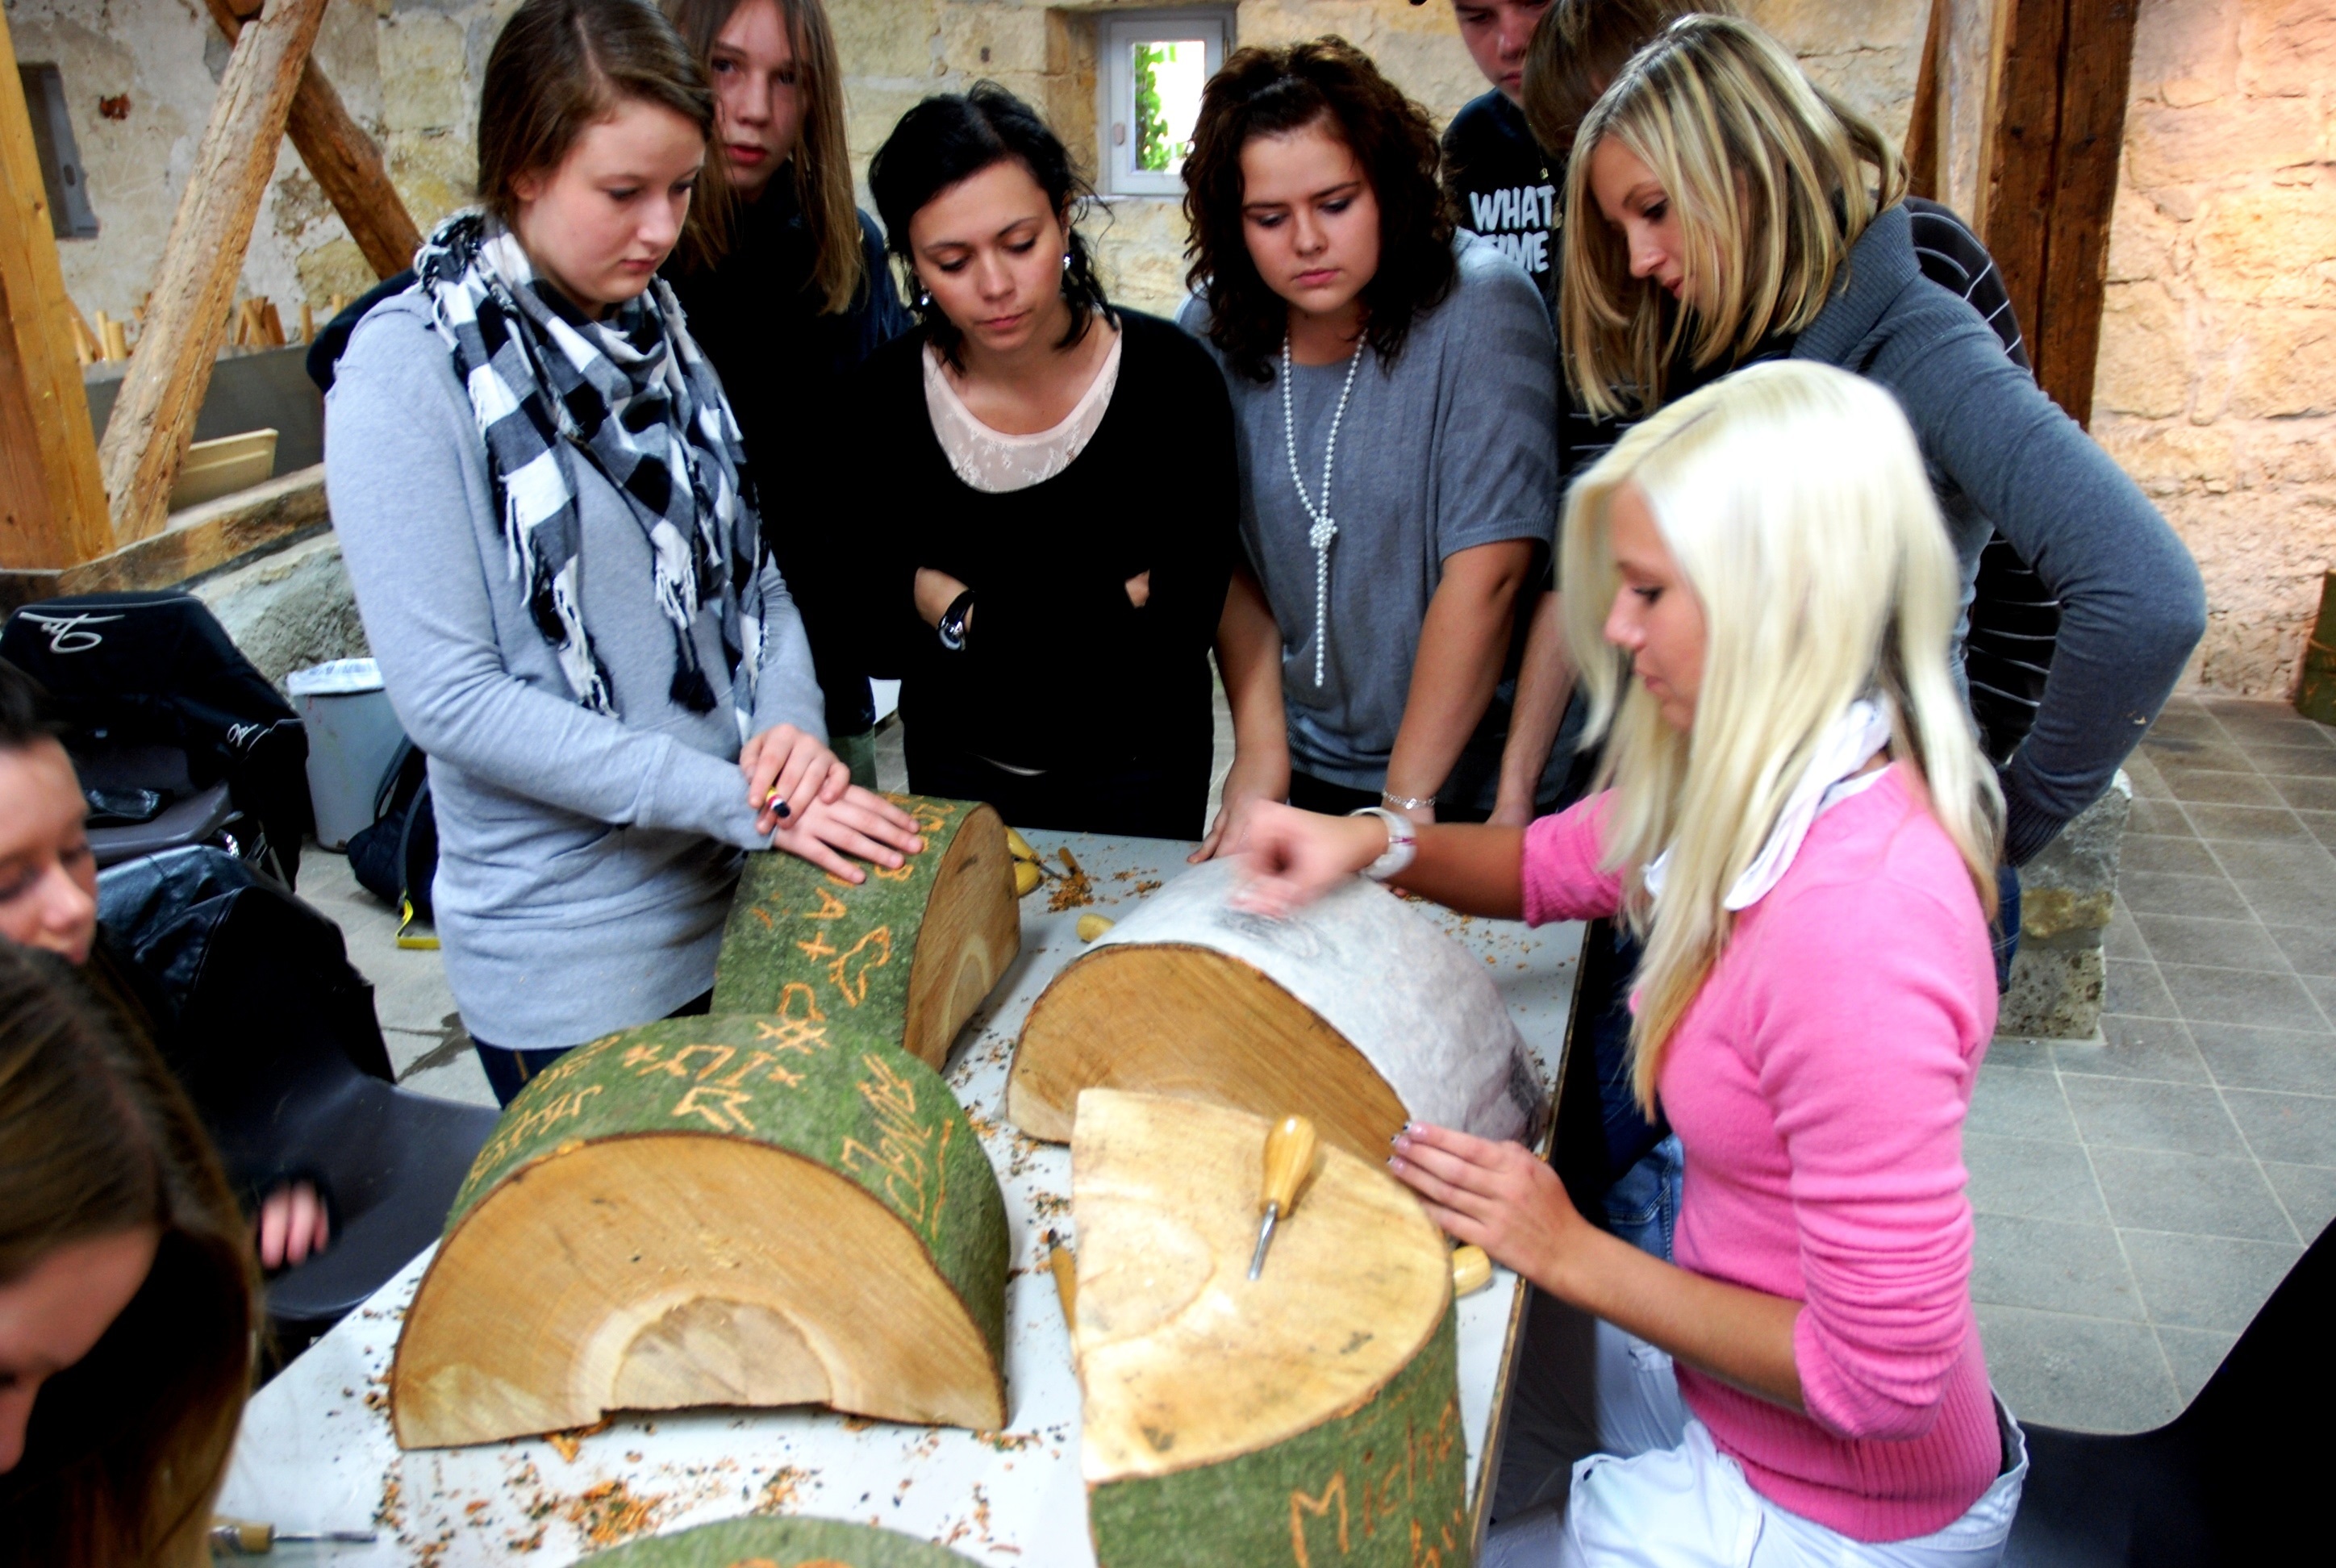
[2218,378]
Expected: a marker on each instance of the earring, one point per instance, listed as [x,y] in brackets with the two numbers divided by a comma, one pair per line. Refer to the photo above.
[924,300]
[1067,261]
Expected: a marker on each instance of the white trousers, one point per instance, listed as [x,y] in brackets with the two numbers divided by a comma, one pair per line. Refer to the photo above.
[1657,1494]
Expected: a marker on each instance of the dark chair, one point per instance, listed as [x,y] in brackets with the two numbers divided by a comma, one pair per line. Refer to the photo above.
[273,1034]
[2230,1479]
[177,739]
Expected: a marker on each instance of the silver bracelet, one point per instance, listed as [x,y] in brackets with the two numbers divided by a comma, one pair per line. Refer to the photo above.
[1406,802]
[1402,843]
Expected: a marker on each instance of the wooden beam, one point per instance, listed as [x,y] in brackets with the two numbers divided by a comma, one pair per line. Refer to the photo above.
[187,316]
[2058,135]
[341,159]
[198,540]
[2096,70]
[1923,138]
[52,503]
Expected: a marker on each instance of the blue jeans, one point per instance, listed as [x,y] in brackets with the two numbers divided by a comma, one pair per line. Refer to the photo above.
[2005,933]
[1642,1205]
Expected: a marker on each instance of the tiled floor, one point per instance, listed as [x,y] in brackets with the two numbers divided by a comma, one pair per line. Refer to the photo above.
[2138,1197]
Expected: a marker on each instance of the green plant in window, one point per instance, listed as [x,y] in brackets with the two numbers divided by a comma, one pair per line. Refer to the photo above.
[1154,152]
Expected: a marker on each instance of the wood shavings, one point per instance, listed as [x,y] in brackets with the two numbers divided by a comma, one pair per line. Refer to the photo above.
[569,1441]
[609,1513]
[784,1490]
[1075,890]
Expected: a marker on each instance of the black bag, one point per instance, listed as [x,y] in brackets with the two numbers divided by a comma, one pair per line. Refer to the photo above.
[158,704]
[396,857]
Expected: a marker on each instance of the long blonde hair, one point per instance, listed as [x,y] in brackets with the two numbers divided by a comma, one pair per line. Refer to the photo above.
[1793,498]
[1773,180]
[820,165]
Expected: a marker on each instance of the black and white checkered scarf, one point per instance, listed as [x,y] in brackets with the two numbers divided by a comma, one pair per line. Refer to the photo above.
[634,396]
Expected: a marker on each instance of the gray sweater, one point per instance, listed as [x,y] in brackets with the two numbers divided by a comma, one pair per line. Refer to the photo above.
[585,863]
[2001,452]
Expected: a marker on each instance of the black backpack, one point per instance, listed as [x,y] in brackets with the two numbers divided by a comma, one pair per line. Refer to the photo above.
[395,858]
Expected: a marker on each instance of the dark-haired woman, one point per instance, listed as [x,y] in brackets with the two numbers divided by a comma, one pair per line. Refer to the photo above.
[787,293]
[1395,391]
[1064,473]
[547,519]
[128,1297]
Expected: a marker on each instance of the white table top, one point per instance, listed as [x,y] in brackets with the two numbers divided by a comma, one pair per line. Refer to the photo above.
[315,1451]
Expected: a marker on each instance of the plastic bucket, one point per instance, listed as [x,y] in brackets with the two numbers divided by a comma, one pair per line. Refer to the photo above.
[353,737]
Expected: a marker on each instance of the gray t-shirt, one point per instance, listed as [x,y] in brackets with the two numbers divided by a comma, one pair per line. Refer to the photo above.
[1455,445]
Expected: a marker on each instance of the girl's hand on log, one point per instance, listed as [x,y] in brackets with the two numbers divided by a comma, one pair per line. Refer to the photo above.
[785,767]
[857,823]
[1292,857]
[1247,782]
[293,1223]
[1498,1196]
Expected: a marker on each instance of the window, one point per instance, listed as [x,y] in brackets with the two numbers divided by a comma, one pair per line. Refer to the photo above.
[1148,89]
[70,213]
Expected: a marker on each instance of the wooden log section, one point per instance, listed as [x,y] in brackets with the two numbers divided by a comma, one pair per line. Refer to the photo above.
[779,1544]
[1355,1011]
[1311,1417]
[187,317]
[911,952]
[751,1210]
[341,159]
[52,511]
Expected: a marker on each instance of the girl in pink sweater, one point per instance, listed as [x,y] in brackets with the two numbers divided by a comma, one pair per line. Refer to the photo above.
[1800,825]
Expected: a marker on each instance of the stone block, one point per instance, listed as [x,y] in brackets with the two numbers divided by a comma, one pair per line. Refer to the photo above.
[2270,245]
[2067,895]
[288,610]
[2287,51]
[2141,369]
[887,38]
[2186,51]
[2165,457]
[2166,146]
[424,86]
[2141,237]
[2287,365]
[993,40]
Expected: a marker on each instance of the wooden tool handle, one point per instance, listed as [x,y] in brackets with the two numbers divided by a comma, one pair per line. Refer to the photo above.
[1289,1157]
[1472,1271]
[243,1537]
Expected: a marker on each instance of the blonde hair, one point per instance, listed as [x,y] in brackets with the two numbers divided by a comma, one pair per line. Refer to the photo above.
[1794,501]
[1773,180]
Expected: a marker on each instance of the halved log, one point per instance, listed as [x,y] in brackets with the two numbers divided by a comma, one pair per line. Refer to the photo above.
[1354,1011]
[911,950]
[1310,1416]
[717,1211]
[779,1544]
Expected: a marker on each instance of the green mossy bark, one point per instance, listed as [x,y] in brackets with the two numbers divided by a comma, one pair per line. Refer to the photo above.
[780,1543]
[799,938]
[830,1093]
[1384,1487]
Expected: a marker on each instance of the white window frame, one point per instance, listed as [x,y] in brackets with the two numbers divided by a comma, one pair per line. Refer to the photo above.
[1115,34]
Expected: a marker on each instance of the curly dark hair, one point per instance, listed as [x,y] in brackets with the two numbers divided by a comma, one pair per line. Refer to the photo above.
[951,137]
[1274,92]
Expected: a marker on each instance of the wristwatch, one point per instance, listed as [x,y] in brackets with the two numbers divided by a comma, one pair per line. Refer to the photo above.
[950,628]
[1402,843]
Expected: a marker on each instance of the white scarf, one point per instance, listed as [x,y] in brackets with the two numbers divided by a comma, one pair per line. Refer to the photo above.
[1832,777]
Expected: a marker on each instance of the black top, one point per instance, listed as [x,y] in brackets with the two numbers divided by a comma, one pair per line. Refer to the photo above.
[1499,183]
[1059,670]
[783,363]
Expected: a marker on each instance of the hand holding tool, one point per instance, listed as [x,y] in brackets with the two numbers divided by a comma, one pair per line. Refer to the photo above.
[1289,1158]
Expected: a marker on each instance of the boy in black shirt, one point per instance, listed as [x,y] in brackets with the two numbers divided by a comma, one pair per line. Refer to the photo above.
[1498,182]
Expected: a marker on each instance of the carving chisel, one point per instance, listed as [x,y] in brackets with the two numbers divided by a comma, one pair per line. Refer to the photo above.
[1289,1158]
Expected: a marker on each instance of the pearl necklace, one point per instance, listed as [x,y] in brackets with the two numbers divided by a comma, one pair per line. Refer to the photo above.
[1324,529]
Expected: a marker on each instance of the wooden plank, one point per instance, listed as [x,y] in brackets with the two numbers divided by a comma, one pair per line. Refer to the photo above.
[1923,138]
[186,316]
[224,465]
[201,539]
[343,159]
[52,503]
[2098,63]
